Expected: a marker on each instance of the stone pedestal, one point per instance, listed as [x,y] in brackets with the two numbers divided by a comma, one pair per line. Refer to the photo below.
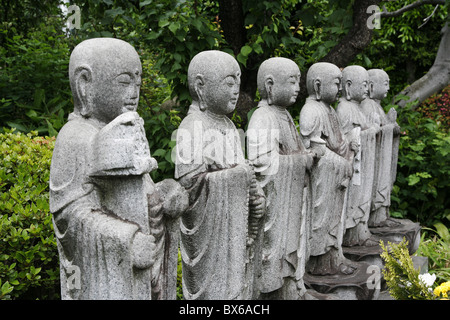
[403,228]
[367,282]
[357,286]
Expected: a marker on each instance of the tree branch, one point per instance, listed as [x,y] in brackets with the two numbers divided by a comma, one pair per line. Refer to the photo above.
[396,13]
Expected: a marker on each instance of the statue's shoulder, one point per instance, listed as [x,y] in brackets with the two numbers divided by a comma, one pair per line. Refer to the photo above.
[311,110]
[262,117]
[77,131]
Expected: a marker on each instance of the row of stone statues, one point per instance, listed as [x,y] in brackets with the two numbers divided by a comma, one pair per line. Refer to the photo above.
[250,222]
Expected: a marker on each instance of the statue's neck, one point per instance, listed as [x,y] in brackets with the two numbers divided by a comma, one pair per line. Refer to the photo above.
[214,116]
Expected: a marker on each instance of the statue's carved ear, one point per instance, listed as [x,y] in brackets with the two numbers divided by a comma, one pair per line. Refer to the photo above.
[318,88]
[268,84]
[371,89]
[198,86]
[83,82]
[347,85]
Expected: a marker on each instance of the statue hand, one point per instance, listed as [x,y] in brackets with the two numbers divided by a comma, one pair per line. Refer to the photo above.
[354,146]
[143,250]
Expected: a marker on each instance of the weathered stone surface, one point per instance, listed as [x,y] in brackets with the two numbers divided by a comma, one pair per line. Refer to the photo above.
[330,175]
[354,124]
[386,147]
[110,247]
[281,162]
[218,228]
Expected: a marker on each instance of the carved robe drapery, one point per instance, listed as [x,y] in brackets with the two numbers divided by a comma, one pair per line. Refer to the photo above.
[319,124]
[386,160]
[214,229]
[361,186]
[273,141]
[85,232]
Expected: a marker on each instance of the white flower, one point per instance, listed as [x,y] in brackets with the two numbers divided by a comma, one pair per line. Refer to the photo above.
[427,279]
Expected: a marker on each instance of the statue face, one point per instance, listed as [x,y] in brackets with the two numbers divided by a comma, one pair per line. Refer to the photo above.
[359,89]
[331,86]
[379,88]
[221,92]
[116,90]
[285,87]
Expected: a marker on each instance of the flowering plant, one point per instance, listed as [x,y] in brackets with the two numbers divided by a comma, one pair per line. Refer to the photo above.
[406,282]
[443,290]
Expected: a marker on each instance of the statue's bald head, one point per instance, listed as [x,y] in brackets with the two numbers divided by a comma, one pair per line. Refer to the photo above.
[323,81]
[209,65]
[355,82]
[98,60]
[277,69]
[378,83]
[378,75]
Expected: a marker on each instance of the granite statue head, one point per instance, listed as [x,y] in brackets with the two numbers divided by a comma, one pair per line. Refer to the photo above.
[214,79]
[378,84]
[355,83]
[105,78]
[323,82]
[279,81]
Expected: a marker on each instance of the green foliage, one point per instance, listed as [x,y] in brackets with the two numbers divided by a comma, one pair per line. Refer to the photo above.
[402,46]
[437,107]
[435,245]
[423,172]
[34,87]
[401,277]
[29,266]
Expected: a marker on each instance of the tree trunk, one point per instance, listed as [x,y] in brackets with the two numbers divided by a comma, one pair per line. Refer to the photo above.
[436,79]
[233,25]
[353,43]
[356,40]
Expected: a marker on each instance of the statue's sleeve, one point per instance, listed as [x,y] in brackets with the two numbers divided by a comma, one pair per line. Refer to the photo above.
[189,150]
[346,117]
[263,142]
[310,125]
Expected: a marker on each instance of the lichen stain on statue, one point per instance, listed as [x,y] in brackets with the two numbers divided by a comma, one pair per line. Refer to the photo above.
[112,222]
[281,162]
[219,229]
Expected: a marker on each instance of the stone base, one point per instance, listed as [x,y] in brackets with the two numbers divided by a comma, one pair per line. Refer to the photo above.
[368,254]
[356,286]
[404,228]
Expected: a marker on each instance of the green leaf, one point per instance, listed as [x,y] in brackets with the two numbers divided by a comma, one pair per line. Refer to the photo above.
[442,230]
[413,179]
[246,50]
[173,27]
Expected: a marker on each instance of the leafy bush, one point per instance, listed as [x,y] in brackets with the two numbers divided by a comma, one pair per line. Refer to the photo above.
[29,266]
[423,172]
[34,86]
[435,245]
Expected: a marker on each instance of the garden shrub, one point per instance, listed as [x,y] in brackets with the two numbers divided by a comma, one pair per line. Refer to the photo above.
[34,83]
[421,191]
[437,107]
[29,267]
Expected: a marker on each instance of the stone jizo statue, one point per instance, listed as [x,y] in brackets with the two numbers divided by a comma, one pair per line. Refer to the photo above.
[386,147]
[109,217]
[281,162]
[225,203]
[322,134]
[355,84]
